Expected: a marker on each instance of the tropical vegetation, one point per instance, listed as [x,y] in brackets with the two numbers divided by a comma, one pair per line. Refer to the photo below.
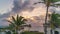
[54,21]
[17,23]
[32,32]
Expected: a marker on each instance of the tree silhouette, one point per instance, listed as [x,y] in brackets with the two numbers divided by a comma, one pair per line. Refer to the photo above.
[48,4]
[17,23]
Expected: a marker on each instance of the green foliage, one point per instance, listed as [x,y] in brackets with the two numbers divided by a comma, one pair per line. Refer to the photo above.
[16,22]
[19,20]
[29,32]
[55,20]
[54,1]
[8,32]
[51,3]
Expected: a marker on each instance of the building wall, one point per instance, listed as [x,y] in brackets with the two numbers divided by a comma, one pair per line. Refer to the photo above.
[57,29]
[48,30]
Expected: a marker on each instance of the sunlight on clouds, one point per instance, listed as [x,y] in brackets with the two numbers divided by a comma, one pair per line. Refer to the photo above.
[36,12]
[32,18]
[34,15]
[39,11]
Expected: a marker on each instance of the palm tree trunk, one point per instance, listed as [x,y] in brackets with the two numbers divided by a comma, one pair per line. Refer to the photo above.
[45,28]
[51,31]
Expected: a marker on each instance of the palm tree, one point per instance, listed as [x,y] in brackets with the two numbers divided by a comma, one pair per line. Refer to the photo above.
[17,22]
[48,4]
[54,21]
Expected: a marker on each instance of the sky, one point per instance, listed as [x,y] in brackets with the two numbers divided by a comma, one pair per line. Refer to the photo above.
[34,13]
[5,6]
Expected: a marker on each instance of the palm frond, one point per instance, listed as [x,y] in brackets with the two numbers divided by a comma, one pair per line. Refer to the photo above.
[13,19]
[38,2]
[55,0]
[52,1]
[17,18]
[54,19]
[10,22]
[57,4]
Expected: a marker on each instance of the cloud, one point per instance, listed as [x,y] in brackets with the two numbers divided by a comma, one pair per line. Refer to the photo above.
[3,18]
[36,20]
[35,13]
[4,15]
[26,8]
[20,6]
[3,23]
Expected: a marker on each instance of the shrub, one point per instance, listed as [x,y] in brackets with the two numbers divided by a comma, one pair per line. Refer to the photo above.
[32,32]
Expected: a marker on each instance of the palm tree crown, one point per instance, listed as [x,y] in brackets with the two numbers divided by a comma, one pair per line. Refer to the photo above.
[18,21]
